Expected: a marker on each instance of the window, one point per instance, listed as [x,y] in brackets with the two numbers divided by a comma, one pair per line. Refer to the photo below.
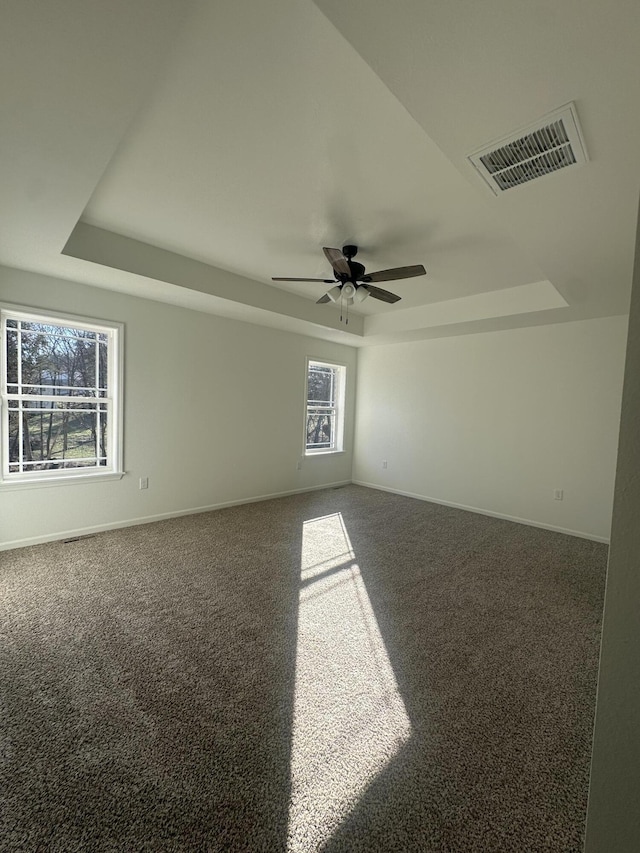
[325,407]
[60,397]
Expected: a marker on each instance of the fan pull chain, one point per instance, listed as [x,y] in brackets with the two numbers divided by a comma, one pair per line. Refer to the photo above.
[344,308]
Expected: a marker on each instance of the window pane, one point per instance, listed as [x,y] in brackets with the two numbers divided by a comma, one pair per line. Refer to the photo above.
[57,329]
[321,384]
[102,366]
[320,429]
[61,438]
[12,359]
[56,358]
[14,436]
[102,433]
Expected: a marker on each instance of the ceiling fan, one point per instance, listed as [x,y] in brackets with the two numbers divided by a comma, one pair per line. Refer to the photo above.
[352,283]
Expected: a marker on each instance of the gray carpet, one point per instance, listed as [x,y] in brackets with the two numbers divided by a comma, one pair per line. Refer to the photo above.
[345,670]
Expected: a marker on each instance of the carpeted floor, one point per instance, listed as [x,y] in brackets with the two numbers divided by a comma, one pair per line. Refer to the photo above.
[345,670]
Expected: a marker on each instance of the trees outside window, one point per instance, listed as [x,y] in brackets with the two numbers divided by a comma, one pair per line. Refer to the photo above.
[60,397]
[324,407]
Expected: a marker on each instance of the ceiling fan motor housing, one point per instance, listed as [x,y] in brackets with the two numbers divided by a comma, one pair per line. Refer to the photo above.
[357,271]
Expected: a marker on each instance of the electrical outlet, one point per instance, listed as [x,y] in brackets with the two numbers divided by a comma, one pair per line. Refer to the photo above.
[299,465]
[384,463]
[558,494]
[144,482]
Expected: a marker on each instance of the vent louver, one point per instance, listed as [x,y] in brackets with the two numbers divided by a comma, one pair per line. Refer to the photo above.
[555,142]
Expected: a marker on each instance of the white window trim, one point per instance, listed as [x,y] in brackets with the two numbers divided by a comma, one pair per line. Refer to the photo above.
[341,397]
[115,331]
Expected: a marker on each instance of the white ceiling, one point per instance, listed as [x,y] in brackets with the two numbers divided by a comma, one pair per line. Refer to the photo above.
[190,151]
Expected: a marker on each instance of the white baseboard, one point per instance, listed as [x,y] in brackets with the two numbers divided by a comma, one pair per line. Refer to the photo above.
[476,509]
[149,519]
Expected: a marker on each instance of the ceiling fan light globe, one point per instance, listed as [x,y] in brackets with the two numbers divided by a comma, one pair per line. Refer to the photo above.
[349,291]
[334,293]
[361,294]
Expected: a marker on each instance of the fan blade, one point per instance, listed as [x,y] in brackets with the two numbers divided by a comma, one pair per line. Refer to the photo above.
[338,261]
[325,298]
[392,275]
[382,295]
[323,280]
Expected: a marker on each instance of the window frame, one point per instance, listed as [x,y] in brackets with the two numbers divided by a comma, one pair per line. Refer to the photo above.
[115,335]
[339,407]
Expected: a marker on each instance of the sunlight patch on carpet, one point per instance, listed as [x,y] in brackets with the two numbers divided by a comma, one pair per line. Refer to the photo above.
[349,718]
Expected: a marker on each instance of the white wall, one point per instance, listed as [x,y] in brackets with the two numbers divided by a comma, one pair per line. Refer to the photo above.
[213,414]
[497,421]
[494,421]
[613,816]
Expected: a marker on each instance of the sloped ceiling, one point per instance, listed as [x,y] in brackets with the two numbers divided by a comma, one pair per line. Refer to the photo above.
[189,151]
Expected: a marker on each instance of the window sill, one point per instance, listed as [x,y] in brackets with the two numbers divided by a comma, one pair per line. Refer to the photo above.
[324,453]
[10,485]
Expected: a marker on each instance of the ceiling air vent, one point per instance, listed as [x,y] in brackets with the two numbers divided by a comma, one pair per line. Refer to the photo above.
[555,142]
